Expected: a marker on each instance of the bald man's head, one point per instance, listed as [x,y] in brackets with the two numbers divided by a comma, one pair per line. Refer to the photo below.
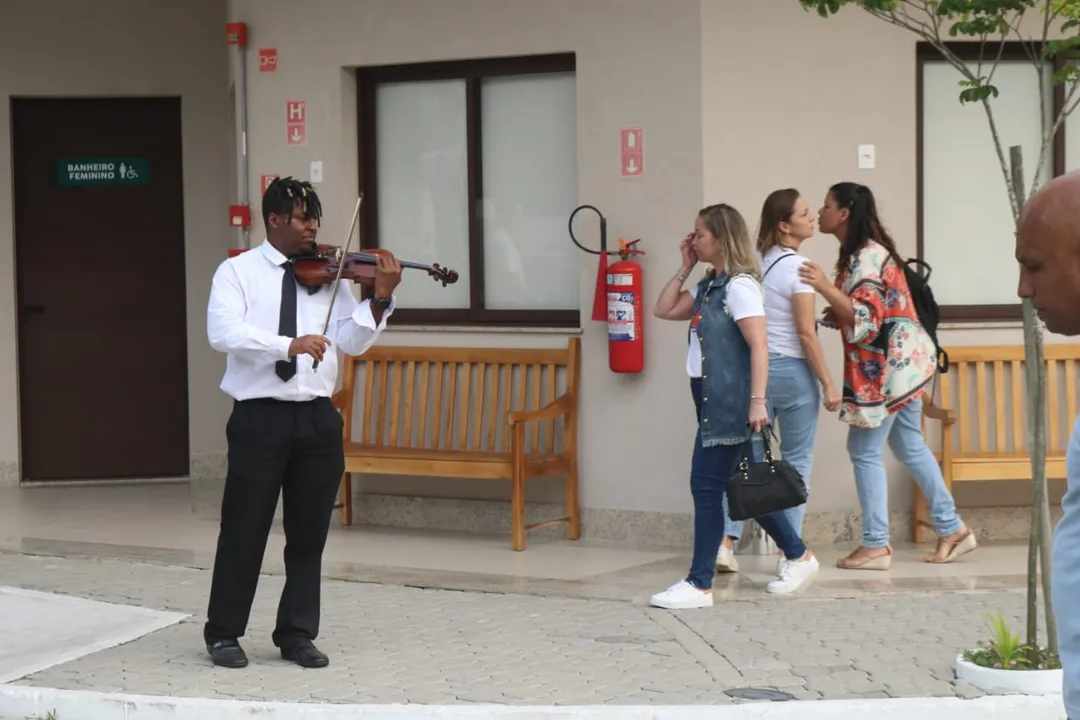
[1048,250]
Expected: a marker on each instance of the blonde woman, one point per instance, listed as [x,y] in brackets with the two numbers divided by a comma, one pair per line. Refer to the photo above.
[728,365]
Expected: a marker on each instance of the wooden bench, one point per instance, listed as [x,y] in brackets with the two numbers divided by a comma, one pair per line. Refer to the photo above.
[985,389]
[485,413]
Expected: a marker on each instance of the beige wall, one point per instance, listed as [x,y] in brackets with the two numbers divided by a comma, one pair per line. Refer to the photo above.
[736,98]
[69,48]
[628,73]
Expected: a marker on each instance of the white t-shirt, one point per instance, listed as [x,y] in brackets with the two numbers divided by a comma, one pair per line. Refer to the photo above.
[743,301]
[781,283]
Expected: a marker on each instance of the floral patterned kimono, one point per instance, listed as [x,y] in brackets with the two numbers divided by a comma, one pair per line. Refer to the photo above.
[889,359]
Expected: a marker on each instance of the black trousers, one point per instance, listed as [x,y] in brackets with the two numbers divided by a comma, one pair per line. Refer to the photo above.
[294,448]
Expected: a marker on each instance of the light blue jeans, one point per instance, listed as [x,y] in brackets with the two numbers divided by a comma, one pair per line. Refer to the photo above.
[866,448]
[796,401]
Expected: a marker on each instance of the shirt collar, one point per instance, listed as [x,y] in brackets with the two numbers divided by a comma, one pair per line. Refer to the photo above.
[272,254]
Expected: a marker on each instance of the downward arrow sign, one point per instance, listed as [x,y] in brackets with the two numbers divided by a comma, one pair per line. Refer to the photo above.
[296,135]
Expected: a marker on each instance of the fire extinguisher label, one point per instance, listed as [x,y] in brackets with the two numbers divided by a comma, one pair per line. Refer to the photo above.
[621,279]
[621,315]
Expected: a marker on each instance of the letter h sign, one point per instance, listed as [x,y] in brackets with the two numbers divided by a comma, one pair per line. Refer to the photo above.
[296,122]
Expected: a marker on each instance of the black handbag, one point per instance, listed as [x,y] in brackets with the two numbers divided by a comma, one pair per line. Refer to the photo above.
[758,489]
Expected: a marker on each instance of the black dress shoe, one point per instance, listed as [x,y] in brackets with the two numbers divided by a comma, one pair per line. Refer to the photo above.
[227,653]
[305,654]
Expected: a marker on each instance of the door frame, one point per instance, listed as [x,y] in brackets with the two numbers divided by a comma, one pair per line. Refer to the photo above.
[23,481]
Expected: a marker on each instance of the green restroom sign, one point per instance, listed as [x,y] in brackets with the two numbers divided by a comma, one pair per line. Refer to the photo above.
[102,171]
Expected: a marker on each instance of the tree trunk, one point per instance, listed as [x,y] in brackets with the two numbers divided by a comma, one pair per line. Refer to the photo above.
[1035,371]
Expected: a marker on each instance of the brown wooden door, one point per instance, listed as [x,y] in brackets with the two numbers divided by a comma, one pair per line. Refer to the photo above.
[101,288]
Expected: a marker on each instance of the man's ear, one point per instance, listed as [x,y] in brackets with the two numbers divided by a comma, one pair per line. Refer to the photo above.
[273,220]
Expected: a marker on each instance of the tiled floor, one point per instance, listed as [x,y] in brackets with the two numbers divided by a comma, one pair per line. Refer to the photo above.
[560,623]
[154,523]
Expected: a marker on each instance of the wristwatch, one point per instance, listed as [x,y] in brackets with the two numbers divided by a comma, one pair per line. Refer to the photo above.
[380,303]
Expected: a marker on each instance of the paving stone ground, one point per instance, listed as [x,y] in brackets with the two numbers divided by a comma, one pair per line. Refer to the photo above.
[391,644]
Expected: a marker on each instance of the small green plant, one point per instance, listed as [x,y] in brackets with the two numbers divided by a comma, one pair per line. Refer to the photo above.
[1005,651]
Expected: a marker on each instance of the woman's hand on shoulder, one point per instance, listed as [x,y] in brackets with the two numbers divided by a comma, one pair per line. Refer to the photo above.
[812,274]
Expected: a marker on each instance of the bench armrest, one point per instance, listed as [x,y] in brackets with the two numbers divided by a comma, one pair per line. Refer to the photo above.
[934,412]
[563,405]
[339,399]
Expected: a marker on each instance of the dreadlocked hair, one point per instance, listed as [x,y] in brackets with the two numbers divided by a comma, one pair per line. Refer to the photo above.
[285,195]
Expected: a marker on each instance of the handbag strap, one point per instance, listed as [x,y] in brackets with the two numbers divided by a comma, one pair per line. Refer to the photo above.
[765,433]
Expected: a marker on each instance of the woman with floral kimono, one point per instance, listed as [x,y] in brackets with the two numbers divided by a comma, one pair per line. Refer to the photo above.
[889,365]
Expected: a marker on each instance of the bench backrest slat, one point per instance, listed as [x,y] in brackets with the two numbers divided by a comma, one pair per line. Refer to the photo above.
[456,398]
[986,387]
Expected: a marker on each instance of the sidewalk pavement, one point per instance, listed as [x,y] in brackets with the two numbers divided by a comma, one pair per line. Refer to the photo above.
[392,644]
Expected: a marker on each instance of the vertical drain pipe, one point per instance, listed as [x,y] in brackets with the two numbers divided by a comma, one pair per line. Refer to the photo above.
[240,212]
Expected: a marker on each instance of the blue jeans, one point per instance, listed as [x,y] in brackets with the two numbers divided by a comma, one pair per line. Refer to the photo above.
[866,447]
[710,469]
[796,401]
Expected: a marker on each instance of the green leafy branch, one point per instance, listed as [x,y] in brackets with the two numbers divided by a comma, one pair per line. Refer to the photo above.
[993,23]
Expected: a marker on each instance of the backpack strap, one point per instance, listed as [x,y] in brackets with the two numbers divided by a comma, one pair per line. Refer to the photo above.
[773,264]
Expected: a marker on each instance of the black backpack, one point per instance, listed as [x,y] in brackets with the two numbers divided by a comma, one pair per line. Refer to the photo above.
[926,306]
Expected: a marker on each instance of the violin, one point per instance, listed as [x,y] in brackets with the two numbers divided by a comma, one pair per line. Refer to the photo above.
[321,266]
[326,264]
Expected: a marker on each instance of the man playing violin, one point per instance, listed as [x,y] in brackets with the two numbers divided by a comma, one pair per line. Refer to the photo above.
[284,435]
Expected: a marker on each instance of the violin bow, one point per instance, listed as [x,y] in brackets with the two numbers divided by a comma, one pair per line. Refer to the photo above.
[341,266]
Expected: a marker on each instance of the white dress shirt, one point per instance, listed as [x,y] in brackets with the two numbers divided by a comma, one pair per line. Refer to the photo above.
[242,321]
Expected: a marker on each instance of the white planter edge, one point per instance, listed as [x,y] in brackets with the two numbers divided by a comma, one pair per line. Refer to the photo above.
[1024,682]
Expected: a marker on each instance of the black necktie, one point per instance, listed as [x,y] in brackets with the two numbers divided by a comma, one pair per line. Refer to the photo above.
[285,369]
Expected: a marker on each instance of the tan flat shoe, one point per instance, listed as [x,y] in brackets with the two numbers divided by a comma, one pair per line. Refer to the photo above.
[860,559]
[956,546]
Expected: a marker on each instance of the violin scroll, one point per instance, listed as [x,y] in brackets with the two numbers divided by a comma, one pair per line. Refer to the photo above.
[444,275]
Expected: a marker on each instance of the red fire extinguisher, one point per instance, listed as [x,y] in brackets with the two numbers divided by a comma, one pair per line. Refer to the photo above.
[621,285]
[626,338]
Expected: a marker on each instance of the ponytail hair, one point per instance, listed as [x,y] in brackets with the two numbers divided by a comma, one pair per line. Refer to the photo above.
[863,223]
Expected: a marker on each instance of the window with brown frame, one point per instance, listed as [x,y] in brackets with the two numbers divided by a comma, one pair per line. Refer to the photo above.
[964,224]
[472,164]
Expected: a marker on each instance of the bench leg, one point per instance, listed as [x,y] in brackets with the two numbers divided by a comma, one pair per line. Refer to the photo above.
[918,516]
[573,530]
[345,498]
[517,510]
[517,489]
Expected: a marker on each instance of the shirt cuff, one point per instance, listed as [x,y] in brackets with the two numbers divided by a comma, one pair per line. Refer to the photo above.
[363,317]
[281,346]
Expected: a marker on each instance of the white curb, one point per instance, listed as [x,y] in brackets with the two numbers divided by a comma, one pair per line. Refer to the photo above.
[17,701]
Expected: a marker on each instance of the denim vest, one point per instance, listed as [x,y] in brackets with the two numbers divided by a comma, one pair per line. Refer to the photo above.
[725,367]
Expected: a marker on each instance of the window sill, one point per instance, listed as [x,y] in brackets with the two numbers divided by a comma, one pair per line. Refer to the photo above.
[485,329]
[980,325]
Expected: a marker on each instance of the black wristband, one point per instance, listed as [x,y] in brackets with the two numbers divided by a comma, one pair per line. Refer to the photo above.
[381,303]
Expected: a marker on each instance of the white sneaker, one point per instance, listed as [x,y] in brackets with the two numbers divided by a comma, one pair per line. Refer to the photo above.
[682,596]
[726,562]
[793,574]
